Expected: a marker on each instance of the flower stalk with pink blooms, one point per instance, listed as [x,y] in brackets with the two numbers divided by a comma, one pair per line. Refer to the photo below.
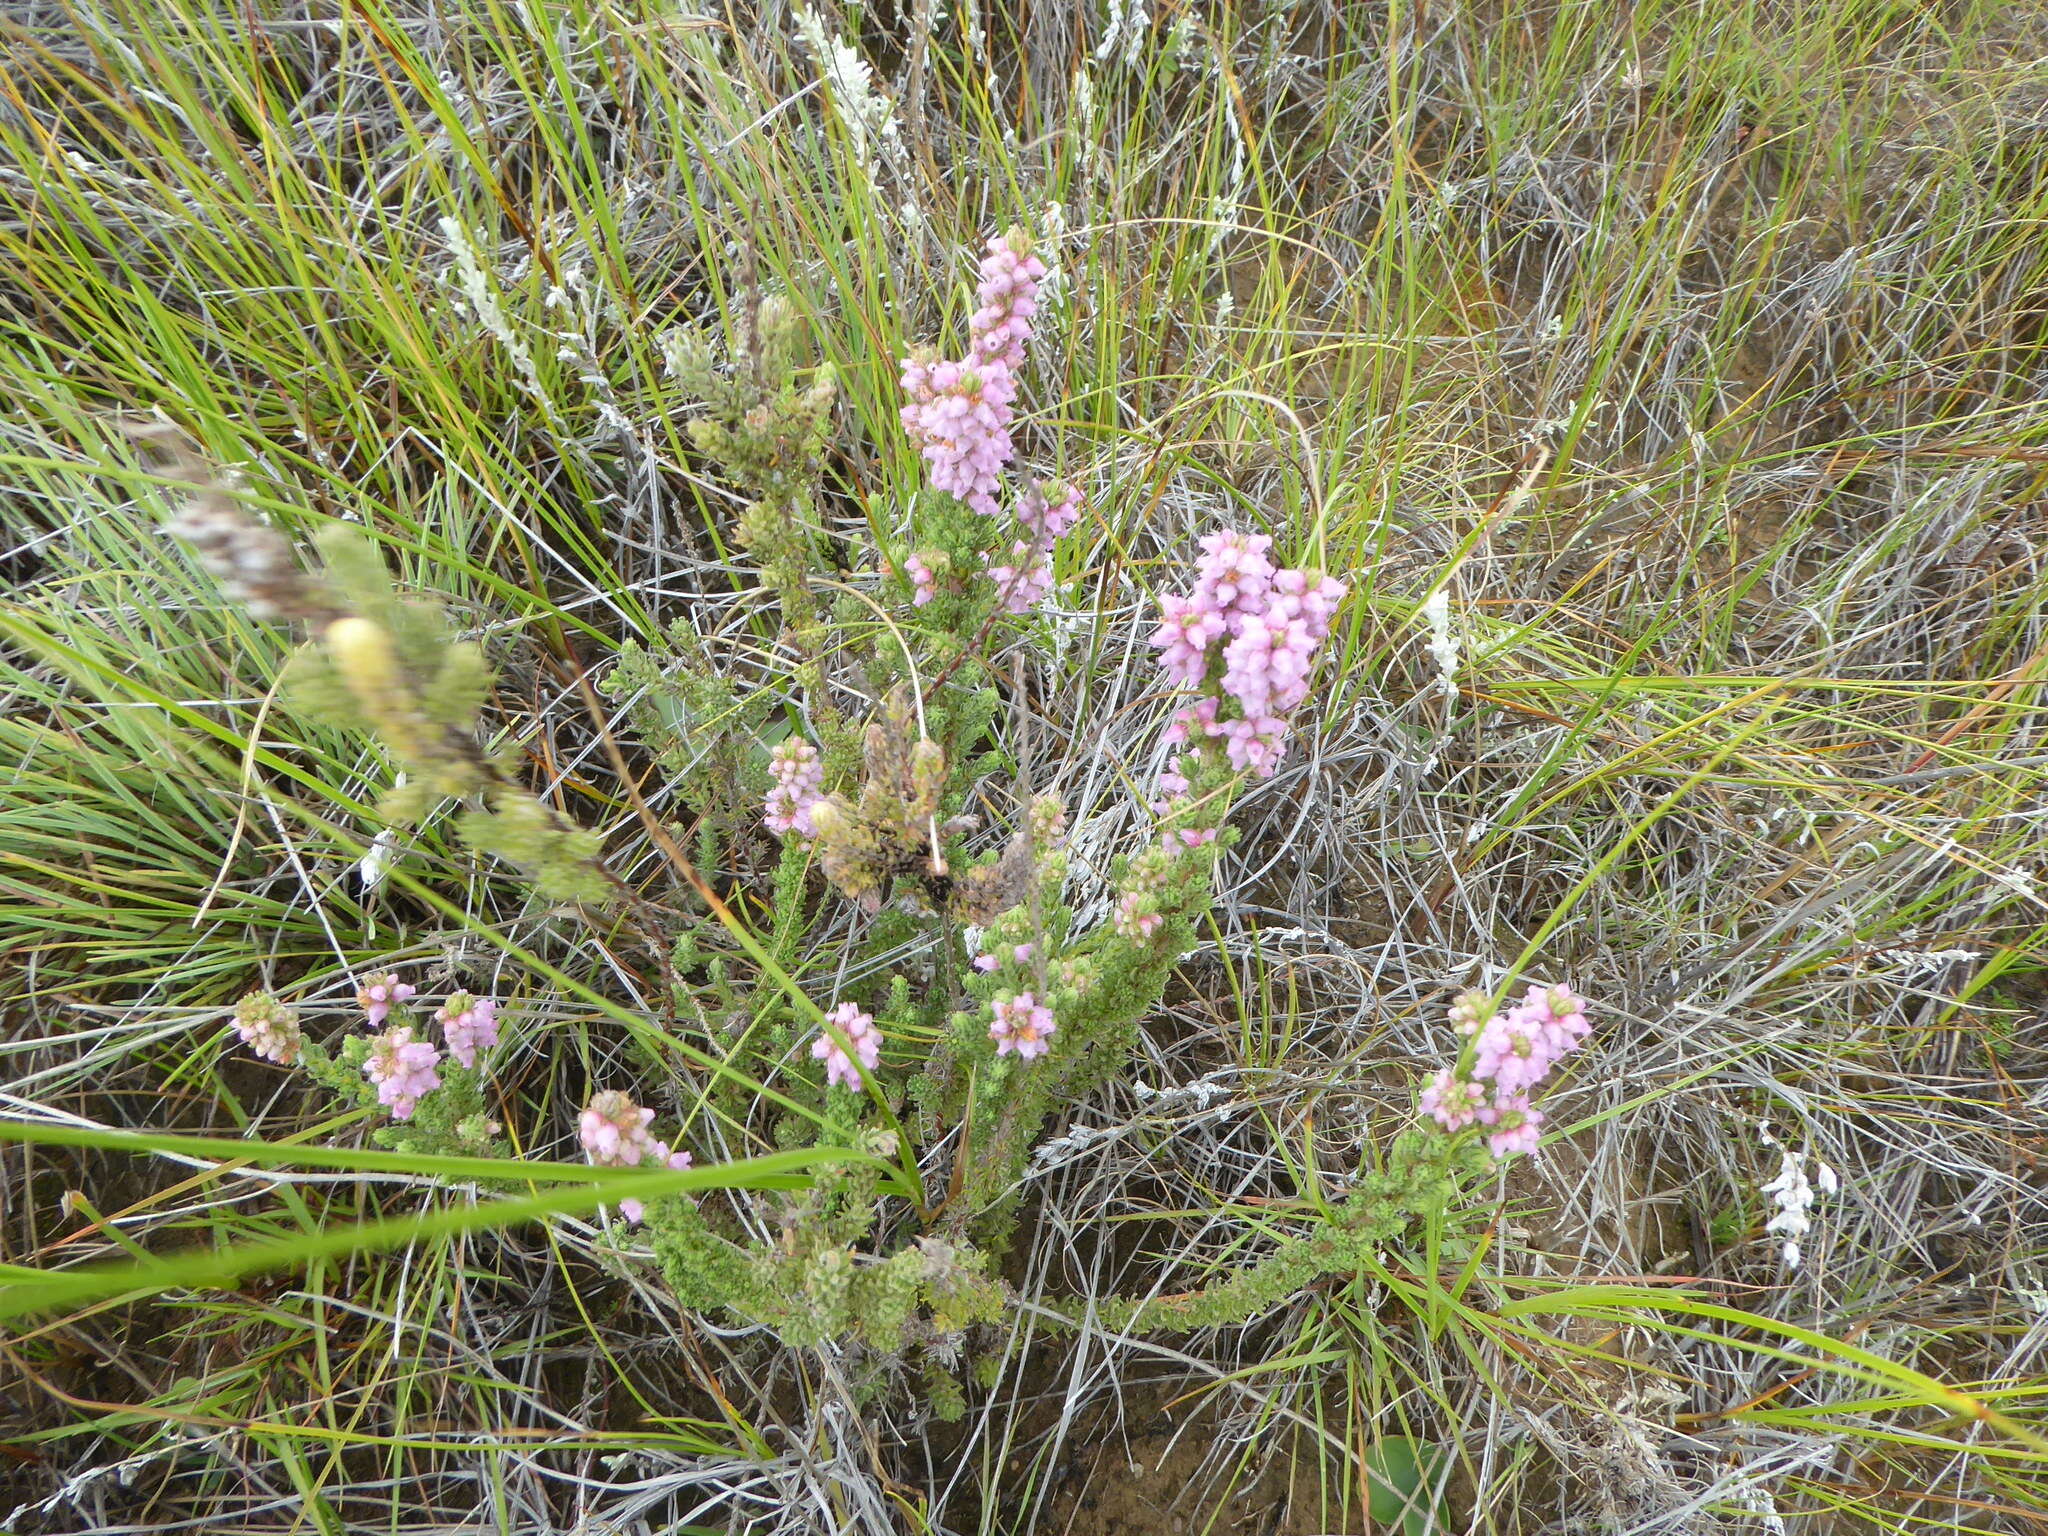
[799,785]
[1247,636]
[1506,1057]
[848,1035]
[468,1024]
[402,1070]
[958,414]
[613,1131]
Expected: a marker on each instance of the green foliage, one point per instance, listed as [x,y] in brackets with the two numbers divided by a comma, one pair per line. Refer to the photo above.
[705,733]
[816,1285]
[1424,1174]
[764,428]
[1405,1483]
[1756,278]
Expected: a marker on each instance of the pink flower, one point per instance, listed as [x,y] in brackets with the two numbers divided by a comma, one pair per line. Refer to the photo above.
[1136,917]
[1257,744]
[1020,953]
[1187,628]
[402,1068]
[1266,667]
[958,413]
[380,994]
[798,787]
[1008,297]
[613,1130]
[468,1023]
[1233,574]
[1022,1024]
[1517,1049]
[1026,579]
[269,1028]
[1269,624]
[924,585]
[1469,1011]
[1514,1050]
[959,418]
[1196,837]
[1452,1101]
[1563,1017]
[1309,596]
[1514,1124]
[1046,516]
[860,1032]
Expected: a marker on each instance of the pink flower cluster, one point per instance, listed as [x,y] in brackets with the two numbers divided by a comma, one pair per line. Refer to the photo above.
[799,786]
[859,1031]
[468,1023]
[1023,1025]
[269,1028]
[380,994]
[402,1069]
[1024,583]
[1044,513]
[1512,1052]
[1020,954]
[613,1130]
[959,416]
[1001,324]
[959,412]
[924,581]
[1253,629]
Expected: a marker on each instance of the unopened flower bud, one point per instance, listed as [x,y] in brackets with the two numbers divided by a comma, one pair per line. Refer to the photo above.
[366,659]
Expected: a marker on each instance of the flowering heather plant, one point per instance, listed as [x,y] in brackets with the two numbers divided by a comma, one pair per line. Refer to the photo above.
[402,1069]
[958,413]
[380,994]
[436,1101]
[799,786]
[269,1028]
[1508,1054]
[468,1024]
[1247,636]
[1002,1008]
[613,1131]
[846,1027]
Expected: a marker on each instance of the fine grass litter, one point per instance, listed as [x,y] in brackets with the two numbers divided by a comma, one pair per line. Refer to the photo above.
[955,768]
